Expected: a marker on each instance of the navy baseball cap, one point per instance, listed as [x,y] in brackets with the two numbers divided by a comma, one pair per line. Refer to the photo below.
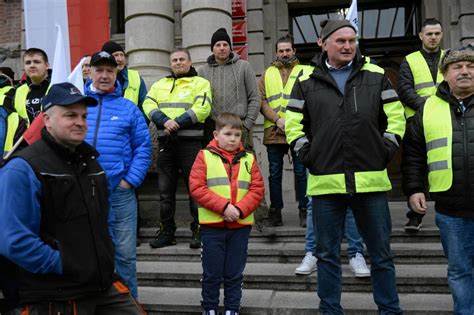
[103,57]
[65,94]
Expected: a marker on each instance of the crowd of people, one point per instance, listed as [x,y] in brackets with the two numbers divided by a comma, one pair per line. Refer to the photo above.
[68,205]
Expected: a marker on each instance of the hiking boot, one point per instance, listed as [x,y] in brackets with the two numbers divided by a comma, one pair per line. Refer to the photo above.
[163,238]
[195,238]
[414,224]
[210,312]
[308,265]
[303,217]
[275,216]
[231,313]
[359,267]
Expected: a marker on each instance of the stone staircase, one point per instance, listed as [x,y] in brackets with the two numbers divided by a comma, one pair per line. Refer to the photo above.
[169,278]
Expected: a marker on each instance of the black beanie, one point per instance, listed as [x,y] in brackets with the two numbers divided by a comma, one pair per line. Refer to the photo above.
[220,34]
[330,26]
[112,47]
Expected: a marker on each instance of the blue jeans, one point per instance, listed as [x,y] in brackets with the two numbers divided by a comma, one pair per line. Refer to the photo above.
[372,217]
[276,153]
[457,237]
[124,206]
[223,256]
[354,240]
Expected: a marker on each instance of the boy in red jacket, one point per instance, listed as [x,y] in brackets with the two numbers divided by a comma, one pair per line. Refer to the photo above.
[226,182]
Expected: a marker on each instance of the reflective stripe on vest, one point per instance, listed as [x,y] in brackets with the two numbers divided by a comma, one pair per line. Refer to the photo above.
[438,133]
[20,101]
[218,182]
[132,92]
[277,96]
[422,78]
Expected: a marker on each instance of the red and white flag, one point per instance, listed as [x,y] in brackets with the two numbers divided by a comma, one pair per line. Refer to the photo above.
[84,25]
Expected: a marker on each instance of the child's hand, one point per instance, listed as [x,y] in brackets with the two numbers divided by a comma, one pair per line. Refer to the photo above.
[231,213]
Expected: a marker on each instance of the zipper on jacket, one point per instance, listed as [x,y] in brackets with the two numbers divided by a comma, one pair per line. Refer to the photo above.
[465,159]
[355,98]
[97,123]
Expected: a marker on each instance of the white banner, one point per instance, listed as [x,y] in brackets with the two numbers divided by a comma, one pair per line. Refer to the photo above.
[352,15]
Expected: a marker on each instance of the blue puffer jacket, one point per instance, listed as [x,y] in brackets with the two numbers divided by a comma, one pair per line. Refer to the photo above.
[118,131]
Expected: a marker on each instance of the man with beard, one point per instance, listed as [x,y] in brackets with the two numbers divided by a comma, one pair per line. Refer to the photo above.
[178,105]
[275,88]
[419,77]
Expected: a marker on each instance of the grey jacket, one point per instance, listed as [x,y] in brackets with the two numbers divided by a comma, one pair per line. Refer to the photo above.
[234,88]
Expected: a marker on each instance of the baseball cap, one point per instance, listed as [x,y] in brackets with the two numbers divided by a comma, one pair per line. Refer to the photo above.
[103,57]
[65,94]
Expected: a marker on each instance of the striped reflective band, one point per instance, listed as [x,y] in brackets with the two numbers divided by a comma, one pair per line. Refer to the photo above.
[438,165]
[244,185]
[183,132]
[388,94]
[437,143]
[300,143]
[294,103]
[175,105]
[420,86]
[217,181]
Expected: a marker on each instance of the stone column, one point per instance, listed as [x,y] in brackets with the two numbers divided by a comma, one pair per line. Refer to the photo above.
[200,19]
[149,37]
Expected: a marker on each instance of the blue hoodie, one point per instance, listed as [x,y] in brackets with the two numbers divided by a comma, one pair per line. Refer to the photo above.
[117,129]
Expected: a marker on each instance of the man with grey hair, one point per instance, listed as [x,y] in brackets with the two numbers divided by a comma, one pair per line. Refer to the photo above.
[439,143]
[344,121]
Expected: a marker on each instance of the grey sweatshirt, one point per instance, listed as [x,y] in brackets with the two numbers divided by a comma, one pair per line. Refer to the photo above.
[234,88]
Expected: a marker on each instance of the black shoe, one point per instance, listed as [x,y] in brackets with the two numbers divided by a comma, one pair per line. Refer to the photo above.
[275,216]
[414,224]
[163,239]
[195,239]
[303,217]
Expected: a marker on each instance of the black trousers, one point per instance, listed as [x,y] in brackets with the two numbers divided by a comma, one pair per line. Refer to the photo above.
[175,159]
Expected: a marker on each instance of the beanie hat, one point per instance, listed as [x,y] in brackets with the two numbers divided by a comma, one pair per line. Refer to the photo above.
[112,47]
[220,34]
[330,26]
[464,53]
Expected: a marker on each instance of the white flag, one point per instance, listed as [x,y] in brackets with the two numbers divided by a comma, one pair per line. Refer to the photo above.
[76,76]
[352,15]
[60,64]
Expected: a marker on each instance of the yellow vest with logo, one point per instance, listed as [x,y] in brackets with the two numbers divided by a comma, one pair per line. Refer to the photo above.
[278,95]
[422,79]
[219,183]
[132,92]
[438,131]
[20,101]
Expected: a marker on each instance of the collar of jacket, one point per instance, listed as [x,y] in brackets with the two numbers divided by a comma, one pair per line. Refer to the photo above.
[191,73]
[319,61]
[45,82]
[116,92]
[214,148]
[444,93]
[81,151]
[277,63]
[233,58]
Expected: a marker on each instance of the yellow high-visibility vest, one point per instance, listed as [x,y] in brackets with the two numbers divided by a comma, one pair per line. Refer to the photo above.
[438,131]
[422,79]
[132,92]
[218,182]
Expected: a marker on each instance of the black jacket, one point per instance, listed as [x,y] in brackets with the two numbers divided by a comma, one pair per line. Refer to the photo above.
[346,132]
[459,199]
[74,220]
[406,86]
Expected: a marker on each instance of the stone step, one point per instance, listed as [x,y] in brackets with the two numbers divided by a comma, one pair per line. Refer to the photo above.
[281,252]
[297,234]
[180,301]
[273,276]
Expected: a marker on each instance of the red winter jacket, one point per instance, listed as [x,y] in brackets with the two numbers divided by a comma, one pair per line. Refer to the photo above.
[210,200]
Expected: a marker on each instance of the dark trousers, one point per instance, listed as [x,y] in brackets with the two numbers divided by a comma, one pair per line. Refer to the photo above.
[224,255]
[175,159]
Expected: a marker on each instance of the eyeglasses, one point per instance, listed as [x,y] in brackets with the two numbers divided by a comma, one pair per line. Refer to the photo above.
[449,51]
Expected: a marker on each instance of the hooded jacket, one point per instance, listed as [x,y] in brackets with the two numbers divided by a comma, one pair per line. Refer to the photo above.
[210,200]
[458,200]
[346,141]
[234,88]
[117,129]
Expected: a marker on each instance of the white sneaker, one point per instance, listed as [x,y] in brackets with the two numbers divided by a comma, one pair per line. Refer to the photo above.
[308,265]
[359,267]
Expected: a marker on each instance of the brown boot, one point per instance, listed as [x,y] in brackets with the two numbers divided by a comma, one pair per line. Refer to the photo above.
[303,217]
